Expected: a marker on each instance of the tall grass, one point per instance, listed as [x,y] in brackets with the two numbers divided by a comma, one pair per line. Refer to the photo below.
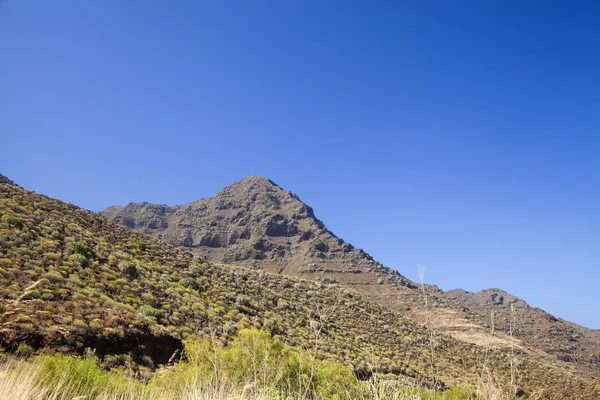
[254,366]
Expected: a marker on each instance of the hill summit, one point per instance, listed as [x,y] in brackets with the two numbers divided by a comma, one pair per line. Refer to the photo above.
[253,222]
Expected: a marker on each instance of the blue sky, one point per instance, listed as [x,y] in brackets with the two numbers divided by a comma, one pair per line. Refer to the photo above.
[463,136]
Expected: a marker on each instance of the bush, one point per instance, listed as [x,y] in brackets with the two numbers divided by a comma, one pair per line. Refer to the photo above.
[282,304]
[242,300]
[82,249]
[12,221]
[334,381]
[81,377]
[80,259]
[258,360]
[189,282]
[149,311]
[229,328]
[54,277]
[149,299]
[128,268]
[24,350]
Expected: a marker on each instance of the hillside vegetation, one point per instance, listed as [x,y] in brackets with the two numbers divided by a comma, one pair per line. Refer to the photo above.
[72,282]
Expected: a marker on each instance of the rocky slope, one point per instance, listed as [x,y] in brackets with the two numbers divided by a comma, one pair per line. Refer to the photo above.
[258,224]
[253,222]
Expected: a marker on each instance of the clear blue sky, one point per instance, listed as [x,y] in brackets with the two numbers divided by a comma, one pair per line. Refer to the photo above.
[464,136]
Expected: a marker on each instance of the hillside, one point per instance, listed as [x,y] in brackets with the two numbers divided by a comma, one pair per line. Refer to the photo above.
[73,282]
[538,329]
[6,181]
[258,224]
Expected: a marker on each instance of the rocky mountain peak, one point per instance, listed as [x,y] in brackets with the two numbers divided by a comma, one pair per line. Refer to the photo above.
[252,221]
[254,182]
[252,192]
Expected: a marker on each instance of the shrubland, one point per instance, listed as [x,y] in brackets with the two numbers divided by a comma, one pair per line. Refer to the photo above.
[111,310]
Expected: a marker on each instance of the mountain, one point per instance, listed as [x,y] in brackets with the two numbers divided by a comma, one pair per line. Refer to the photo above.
[253,222]
[256,223]
[73,282]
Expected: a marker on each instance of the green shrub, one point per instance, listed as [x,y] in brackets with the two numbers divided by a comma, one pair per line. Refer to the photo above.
[258,359]
[149,311]
[242,300]
[282,304]
[229,328]
[334,381]
[189,282]
[12,221]
[74,377]
[128,268]
[80,259]
[149,299]
[54,276]
[24,350]
[82,249]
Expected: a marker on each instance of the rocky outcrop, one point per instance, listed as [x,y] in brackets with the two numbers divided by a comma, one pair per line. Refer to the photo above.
[252,222]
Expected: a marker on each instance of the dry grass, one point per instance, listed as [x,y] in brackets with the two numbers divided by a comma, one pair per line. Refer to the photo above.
[27,380]
[22,380]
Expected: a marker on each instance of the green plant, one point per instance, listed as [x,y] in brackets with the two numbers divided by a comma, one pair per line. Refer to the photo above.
[24,350]
[149,311]
[12,221]
[128,268]
[82,249]
[79,259]
[81,377]
[189,282]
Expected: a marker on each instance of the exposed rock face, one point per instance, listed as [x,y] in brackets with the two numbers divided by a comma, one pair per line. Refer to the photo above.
[256,223]
[253,222]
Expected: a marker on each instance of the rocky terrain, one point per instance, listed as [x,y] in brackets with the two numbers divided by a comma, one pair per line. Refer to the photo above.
[256,223]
